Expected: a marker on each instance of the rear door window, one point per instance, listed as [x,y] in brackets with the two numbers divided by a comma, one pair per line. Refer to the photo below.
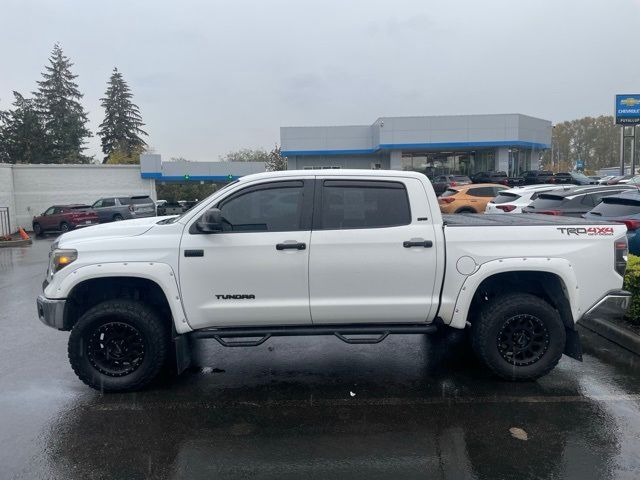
[348,204]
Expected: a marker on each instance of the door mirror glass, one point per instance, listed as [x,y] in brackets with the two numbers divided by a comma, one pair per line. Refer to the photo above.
[211,221]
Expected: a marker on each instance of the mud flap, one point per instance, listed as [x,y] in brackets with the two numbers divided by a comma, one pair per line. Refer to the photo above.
[572,346]
[182,345]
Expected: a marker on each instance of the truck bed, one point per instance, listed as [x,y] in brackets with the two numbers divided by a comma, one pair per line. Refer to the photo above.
[512,220]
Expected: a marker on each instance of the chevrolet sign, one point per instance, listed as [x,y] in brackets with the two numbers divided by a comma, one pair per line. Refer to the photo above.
[628,109]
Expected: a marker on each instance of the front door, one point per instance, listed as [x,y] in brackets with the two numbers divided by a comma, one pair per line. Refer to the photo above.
[254,272]
[373,253]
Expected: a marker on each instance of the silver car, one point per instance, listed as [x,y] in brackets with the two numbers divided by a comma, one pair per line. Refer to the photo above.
[114,209]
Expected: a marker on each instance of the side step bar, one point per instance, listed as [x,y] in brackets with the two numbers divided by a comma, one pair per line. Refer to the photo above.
[352,334]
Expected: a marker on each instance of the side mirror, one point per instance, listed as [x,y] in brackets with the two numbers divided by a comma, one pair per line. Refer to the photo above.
[211,221]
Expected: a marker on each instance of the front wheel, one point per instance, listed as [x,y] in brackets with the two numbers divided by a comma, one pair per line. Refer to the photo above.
[37,229]
[518,336]
[117,217]
[119,345]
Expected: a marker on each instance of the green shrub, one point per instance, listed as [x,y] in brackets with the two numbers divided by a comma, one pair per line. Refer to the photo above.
[632,283]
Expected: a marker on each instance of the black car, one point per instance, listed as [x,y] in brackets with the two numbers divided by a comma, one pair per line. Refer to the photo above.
[490,177]
[442,182]
[575,201]
[575,178]
[533,177]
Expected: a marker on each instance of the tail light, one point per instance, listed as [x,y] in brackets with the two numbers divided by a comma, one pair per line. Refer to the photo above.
[446,199]
[552,180]
[504,182]
[506,208]
[550,212]
[621,250]
[131,208]
[453,184]
[631,224]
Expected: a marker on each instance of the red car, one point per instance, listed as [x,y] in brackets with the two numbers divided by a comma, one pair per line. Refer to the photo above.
[64,218]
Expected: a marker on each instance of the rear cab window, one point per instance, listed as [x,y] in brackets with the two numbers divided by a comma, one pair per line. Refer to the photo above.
[348,204]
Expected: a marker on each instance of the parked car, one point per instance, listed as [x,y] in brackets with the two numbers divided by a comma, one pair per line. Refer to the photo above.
[596,179]
[623,208]
[573,202]
[492,177]
[262,258]
[515,199]
[533,177]
[471,198]
[63,218]
[575,178]
[619,179]
[114,209]
[442,182]
[604,180]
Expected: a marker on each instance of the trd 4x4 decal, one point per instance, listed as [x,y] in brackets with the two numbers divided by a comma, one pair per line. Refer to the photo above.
[586,230]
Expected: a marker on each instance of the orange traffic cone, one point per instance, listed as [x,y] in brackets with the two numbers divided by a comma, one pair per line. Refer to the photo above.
[23,234]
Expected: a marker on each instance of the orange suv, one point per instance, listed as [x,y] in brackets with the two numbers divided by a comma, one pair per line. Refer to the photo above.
[468,198]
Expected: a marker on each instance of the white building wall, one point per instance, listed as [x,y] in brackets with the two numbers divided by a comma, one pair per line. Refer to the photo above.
[37,187]
[7,198]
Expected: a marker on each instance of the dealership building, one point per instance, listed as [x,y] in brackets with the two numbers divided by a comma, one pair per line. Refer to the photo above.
[434,145]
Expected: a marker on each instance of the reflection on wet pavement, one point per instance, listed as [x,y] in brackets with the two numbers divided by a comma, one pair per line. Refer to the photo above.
[419,409]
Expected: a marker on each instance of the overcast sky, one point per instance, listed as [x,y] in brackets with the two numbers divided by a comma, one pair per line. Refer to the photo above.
[214,76]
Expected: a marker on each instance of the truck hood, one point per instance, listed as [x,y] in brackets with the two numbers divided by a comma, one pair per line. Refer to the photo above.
[124,228]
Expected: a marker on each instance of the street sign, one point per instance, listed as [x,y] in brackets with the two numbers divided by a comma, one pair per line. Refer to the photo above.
[628,109]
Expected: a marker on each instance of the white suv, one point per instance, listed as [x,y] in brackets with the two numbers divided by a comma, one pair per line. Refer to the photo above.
[515,199]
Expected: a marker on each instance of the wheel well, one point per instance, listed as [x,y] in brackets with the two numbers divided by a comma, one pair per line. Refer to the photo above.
[545,285]
[97,290]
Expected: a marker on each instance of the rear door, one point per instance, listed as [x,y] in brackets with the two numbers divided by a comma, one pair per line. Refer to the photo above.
[373,252]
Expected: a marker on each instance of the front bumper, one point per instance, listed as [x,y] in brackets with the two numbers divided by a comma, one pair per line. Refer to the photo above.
[51,312]
[613,305]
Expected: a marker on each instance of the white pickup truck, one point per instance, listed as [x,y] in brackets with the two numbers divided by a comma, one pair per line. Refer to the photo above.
[353,253]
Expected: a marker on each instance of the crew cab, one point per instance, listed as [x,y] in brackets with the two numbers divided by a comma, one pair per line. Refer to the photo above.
[353,253]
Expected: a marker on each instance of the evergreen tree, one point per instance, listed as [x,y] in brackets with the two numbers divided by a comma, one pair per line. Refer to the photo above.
[22,134]
[58,101]
[120,132]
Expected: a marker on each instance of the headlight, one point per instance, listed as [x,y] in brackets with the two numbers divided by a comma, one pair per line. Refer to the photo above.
[61,258]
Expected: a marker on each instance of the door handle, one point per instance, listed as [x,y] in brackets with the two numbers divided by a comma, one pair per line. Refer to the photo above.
[291,246]
[417,243]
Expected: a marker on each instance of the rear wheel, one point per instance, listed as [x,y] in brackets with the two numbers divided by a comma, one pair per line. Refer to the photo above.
[64,227]
[117,217]
[518,336]
[37,229]
[119,345]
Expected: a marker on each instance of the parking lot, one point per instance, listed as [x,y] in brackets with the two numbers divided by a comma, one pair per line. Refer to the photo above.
[308,407]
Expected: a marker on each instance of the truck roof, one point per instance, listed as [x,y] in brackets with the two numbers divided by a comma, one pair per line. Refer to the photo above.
[335,172]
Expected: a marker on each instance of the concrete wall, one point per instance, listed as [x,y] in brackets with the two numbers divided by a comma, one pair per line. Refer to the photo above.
[7,198]
[37,187]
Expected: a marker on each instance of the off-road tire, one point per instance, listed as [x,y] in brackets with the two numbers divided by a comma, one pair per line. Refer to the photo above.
[37,230]
[154,332]
[491,322]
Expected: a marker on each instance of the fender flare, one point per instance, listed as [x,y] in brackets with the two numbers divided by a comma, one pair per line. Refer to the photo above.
[557,266]
[160,273]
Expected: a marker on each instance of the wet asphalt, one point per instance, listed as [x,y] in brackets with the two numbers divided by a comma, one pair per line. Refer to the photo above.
[410,407]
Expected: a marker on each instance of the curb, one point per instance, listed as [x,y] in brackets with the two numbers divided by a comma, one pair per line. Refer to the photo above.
[15,243]
[609,330]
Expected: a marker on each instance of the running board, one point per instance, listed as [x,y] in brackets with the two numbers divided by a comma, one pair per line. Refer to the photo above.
[352,334]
